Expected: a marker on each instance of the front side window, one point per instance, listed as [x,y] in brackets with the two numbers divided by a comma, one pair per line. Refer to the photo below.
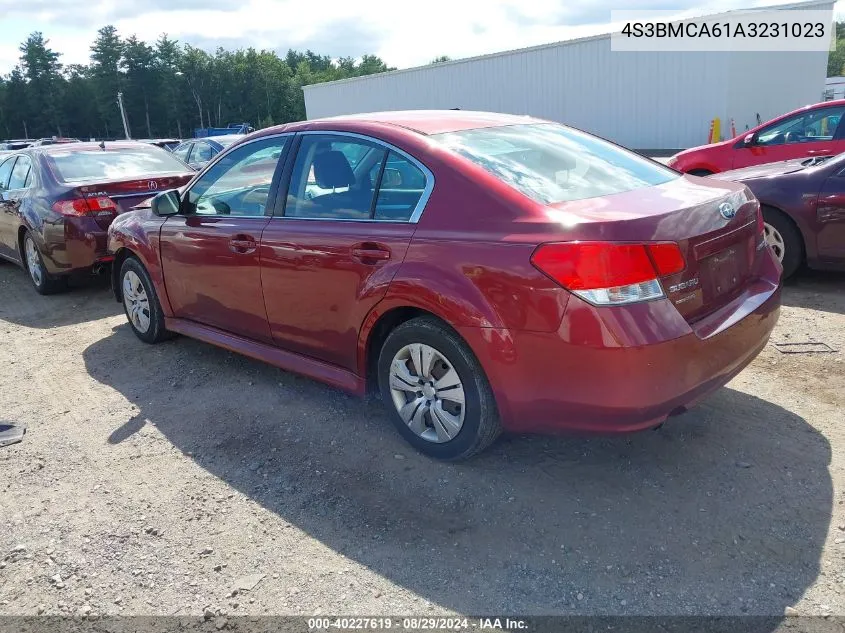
[20,173]
[239,183]
[333,178]
[552,163]
[808,127]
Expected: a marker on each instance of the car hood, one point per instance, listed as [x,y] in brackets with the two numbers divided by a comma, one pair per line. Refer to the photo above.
[763,171]
[711,147]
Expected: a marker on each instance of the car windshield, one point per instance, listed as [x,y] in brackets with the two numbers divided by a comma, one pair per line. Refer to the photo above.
[552,163]
[80,165]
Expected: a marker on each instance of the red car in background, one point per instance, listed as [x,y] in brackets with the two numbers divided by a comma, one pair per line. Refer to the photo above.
[57,201]
[482,271]
[813,130]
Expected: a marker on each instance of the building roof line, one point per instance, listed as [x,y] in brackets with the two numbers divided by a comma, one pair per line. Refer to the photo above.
[807,4]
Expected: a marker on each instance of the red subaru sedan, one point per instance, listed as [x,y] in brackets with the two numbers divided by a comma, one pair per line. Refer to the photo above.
[813,130]
[482,271]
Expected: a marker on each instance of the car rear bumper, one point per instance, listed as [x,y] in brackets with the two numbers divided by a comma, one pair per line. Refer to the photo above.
[74,245]
[607,370]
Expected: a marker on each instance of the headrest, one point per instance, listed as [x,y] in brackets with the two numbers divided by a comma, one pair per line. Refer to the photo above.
[331,170]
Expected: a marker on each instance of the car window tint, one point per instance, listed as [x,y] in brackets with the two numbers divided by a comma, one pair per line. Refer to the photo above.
[202,153]
[400,189]
[808,127]
[327,184]
[181,152]
[239,183]
[20,173]
[6,171]
[552,163]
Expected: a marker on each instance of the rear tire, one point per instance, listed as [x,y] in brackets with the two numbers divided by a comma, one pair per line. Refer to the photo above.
[44,282]
[140,302]
[784,239]
[436,391]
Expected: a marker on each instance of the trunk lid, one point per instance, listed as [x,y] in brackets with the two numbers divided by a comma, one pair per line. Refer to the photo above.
[715,224]
[126,194]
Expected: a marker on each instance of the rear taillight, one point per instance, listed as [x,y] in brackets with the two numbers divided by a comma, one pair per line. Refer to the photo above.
[101,205]
[606,273]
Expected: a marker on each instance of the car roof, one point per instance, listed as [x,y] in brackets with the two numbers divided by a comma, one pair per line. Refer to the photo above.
[421,121]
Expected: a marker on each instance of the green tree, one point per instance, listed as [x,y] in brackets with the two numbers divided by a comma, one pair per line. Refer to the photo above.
[106,55]
[41,69]
[139,64]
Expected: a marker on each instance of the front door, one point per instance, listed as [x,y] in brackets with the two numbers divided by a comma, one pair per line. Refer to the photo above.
[344,231]
[812,133]
[830,215]
[210,250]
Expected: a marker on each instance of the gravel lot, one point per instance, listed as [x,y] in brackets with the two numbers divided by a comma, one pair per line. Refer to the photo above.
[157,479]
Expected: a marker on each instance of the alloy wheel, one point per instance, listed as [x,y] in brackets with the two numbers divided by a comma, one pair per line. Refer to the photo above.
[775,240]
[136,301]
[427,392]
[33,262]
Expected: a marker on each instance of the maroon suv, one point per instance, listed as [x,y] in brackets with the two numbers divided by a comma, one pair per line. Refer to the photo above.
[483,271]
[57,201]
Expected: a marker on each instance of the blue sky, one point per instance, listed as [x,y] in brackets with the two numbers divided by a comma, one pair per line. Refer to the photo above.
[403,34]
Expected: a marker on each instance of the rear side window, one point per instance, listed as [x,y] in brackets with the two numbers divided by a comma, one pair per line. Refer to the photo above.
[81,165]
[5,172]
[401,186]
[552,163]
[21,173]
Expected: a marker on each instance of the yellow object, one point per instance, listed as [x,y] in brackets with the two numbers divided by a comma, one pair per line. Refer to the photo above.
[824,126]
[716,134]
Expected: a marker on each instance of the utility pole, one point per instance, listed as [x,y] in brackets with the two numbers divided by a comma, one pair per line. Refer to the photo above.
[123,115]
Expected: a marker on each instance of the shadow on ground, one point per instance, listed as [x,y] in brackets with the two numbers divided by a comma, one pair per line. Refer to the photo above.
[85,300]
[815,289]
[723,511]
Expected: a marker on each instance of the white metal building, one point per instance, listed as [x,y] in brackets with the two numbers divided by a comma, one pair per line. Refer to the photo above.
[644,100]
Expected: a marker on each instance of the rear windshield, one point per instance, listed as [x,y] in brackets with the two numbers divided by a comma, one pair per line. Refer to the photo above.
[552,163]
[80,165]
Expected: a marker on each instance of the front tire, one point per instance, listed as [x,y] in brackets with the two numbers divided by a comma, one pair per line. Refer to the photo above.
[44,282]
[438,395]
[140,302]
[784,239]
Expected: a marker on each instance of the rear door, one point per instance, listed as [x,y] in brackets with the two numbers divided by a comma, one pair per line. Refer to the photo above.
[328,256]
[814,132]
[9,204]
[210,250]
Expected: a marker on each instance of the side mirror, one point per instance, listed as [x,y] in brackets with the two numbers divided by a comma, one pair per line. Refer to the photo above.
[166,203]
[391,178]
[748,140]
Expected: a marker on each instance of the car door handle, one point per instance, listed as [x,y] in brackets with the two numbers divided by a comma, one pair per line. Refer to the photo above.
[370,253]
[243,244]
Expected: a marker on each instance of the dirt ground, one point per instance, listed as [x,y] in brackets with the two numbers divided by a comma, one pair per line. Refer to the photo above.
[158,479]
